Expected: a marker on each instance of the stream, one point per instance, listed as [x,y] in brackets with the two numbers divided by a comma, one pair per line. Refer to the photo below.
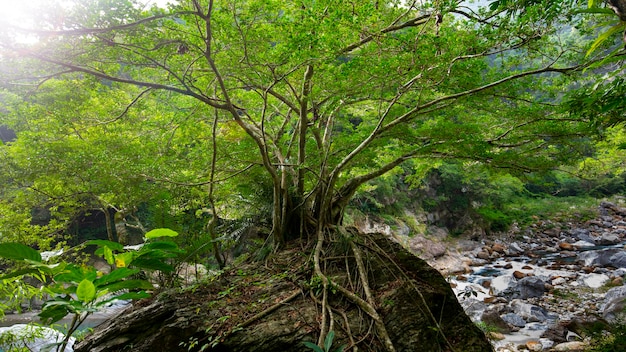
[538,292]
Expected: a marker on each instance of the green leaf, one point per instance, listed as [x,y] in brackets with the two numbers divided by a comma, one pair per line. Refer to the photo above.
[105,243]
[596,10]
[158,254]
[76,274]
[51,313]
[328,342]
[108,255]
[152,264]
[86,291]
[28,271]
[123,259]
[163,232]
[606,35]
[128,285]
[313,346]
[18,251]
[164,245]
[127,295]
[115,275]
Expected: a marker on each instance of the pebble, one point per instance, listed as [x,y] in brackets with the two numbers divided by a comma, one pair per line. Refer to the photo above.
[518,274]
[534,346]
[495,335]
[499,248]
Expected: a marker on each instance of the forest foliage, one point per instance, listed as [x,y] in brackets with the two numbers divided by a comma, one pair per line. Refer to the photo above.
[225,109]
[205,113]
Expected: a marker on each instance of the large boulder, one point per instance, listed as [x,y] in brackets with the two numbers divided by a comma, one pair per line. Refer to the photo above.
[275,307]
[531,286]
[618,259]
[598,257]
[608,238]
[614,303]
[581,235]
[529,312]
[514,319]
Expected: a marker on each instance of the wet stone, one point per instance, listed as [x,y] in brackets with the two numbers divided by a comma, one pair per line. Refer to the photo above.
[514,319]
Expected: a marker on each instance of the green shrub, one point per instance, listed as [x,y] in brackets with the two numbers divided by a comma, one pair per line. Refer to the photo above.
[495,219]
[613,341]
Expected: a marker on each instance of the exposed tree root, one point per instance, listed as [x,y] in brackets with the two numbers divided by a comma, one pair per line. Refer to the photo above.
[352,288]
[368,305]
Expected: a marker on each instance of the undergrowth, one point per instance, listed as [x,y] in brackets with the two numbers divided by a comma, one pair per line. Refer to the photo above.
[613,341]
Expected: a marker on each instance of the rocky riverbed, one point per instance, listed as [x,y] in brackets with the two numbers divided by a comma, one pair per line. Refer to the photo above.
[544,288]
[536,289]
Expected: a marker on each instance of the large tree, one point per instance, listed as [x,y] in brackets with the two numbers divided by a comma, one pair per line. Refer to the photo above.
[329,94]
[332,93]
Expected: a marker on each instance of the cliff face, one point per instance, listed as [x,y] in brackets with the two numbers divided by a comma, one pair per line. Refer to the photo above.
[275,306]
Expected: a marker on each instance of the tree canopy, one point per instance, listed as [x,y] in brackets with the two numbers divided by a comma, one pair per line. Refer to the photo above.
[310,100]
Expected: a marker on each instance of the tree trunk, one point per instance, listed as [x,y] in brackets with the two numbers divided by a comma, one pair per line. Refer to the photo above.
[120,228]
[107,221]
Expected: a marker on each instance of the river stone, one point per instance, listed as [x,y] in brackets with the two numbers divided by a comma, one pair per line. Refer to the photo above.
[581,234]
[598,258]
[436,249]
[503,285]
[534,346]
[530,312]
[555,333]
[584,244]
[618,260]
[482,255]
[32,338]
[473,308]
[514,249]
[531,286]
[620,272]
[498,248]
[594,280]
[546,343]
[491,318]
[614,303]
[570,346]
[514,319]
[609,238]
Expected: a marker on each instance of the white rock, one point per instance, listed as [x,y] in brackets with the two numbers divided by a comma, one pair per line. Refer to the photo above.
[501,283]
[620,272]
[594,280]
[46,255]
[546,343]
[583,244]
[570,346]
